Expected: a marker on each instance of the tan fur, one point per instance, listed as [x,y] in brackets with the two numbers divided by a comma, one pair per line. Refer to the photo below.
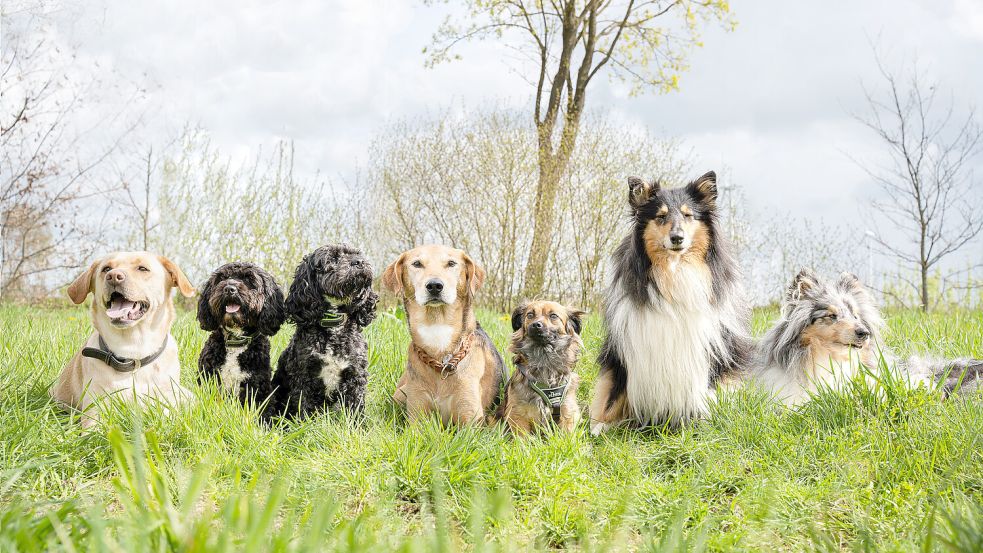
[84,380]
[465,395]
[664,261]
[524,416]
[600,412]
[522,409]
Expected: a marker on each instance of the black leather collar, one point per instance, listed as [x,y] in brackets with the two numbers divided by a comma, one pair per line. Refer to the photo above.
[122,364]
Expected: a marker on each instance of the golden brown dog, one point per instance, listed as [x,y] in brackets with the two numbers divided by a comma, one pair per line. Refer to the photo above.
[543,391]
[452,366]
[131,353]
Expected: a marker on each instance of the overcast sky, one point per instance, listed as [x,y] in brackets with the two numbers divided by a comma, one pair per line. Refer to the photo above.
[770,101]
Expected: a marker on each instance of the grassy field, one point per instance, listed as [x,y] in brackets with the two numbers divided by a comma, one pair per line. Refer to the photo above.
[896,470]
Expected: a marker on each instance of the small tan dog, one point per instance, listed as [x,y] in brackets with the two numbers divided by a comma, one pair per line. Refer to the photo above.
[543,391]
[131,352]
[452,366]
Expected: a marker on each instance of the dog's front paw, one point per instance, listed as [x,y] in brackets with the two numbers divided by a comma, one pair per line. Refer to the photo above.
[599,428]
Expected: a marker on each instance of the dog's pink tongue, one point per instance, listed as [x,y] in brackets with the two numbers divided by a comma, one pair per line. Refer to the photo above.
[119,308]
[232,308]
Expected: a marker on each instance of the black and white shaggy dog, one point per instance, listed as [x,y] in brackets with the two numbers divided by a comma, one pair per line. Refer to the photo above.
[675,312]
[241,305]
[827,331]
[325,365]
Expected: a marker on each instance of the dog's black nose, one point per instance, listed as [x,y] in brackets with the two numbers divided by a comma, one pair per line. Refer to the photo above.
[435,286]
[538,325]
[231,289]
[862,333]
[676,238]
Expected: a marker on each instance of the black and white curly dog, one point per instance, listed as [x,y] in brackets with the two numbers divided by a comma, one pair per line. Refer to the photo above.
[325,365]
[241,305]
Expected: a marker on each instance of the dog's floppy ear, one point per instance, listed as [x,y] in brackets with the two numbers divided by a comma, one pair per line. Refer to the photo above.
[517,314]
[705,188]
[304,302]
[82,285]
[803,285]
[575,320]
[640,191]
[177,277]
[363,309]
[392,277]
[474,275]
[274,312]
[206,320]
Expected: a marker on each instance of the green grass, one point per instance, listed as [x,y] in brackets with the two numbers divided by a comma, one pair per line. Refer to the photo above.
[900,470]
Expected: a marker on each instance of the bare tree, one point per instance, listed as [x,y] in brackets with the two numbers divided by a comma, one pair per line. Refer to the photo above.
[568,43]
[468,182]
[928,190]
[47,156]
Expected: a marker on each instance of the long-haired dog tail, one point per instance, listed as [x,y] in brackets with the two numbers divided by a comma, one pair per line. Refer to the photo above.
[955,377]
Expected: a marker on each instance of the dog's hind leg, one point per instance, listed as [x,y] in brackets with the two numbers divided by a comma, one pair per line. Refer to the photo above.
[610,407]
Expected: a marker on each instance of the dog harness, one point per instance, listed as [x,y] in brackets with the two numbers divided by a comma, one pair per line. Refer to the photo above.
[449,366]
[552,397]
[332,317]
[121,364]
[236,338]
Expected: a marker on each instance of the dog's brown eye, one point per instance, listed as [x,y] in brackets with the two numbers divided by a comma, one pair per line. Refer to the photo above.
[831,317]
[106,269]
[554,317]
[452,263]
[688,216]
[660,219]
[530,315]
[143,269]
[417,264]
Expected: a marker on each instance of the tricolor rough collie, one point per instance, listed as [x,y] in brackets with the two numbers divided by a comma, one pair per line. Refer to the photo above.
[675,312]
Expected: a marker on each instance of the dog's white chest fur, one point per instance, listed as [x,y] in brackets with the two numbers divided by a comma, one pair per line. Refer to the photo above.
[437,336]
[794,386]
[231,374]
[331,369]
[667,347]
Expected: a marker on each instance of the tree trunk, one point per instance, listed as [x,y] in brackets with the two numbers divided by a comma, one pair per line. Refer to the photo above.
[924,271]
[551,169]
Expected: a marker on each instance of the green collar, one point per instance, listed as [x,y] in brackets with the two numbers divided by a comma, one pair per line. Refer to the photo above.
[236,338]
[332,317]
[552,397]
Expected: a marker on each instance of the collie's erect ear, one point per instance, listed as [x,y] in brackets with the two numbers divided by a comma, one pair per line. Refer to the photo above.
[177,277]
[518,313]
[804,285]
[474,274]
[640,191]
[850,282]
[82,285]
[575,320]
[705,188]
[392,277]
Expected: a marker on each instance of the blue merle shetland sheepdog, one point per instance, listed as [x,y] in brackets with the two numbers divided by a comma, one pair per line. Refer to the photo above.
[675,312]
[829,333]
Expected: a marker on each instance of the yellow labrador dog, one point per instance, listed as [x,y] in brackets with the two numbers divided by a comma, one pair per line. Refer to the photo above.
[453,368]
[131,353]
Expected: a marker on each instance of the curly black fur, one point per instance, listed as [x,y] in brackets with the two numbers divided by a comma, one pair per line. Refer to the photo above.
[260,313]
[325,366]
